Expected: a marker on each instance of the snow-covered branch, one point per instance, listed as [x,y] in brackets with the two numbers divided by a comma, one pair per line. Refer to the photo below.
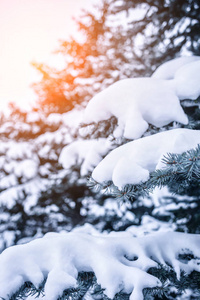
[138,102]
[132,163]
[119,261]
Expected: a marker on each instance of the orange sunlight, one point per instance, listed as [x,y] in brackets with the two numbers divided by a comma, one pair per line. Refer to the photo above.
[29,31]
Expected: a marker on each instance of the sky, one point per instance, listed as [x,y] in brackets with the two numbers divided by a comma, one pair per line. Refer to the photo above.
[30,31]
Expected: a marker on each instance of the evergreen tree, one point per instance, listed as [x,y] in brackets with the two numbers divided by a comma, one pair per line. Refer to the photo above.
[123,265]
[109,52]
[36,194]
[120,39]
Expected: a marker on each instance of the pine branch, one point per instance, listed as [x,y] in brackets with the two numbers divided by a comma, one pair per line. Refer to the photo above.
[27,290]
[84,281]
[87,284]
[128,261]
[186,164]
[130,192]
[181,172]
[168,278]
[106,187]
[101,129]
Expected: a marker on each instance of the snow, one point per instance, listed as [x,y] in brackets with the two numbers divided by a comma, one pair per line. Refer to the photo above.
[138,102]
[169,68]
[187,81]
[48,138]
[110,257]
[132,162]
[150,225]
[69,119]
[27,168]
[54,119]
[87,153]
[33,117]
[68,126]
[19,150]
[7,181]
[32,187]
[19,126]
[19,171]
[73,118]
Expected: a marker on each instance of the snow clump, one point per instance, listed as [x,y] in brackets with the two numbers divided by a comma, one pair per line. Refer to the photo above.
[131,163]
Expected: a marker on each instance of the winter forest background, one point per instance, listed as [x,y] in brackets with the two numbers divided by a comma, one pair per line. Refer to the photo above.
[47,156]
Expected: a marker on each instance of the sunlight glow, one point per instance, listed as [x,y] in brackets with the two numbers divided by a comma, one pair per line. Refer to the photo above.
[29,31]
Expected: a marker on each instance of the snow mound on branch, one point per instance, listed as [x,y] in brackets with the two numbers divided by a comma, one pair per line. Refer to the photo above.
[169,68]
[138,102]
[132,162]
[87,153]
[61,256]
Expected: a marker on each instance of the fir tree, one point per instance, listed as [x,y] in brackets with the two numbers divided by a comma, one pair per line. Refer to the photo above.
[120,39]
[108,53]
[165,269]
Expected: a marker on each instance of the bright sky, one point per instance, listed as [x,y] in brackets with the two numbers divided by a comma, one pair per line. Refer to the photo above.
[29,31]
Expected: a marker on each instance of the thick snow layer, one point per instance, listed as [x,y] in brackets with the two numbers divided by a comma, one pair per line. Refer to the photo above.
[138,102]
[168,69]
[61,256]
[132,162]
[84,153]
